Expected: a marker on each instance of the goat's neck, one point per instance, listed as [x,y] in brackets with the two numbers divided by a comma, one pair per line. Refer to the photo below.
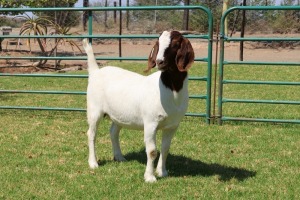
[173,79]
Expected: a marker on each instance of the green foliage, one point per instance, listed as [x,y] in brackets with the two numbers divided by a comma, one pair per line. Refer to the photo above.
[10,4]
[35,26]
[69,18]
[63,18]
[159,3]
[35,4]
[63,30]
[285,22]
[39,26]
[289,2]
[261,2]
[8,21]
[158,20]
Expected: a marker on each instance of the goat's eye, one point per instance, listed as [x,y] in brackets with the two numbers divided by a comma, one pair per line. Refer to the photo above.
[176,44]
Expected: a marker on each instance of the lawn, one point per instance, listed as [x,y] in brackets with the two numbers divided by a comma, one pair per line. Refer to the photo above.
[43,154]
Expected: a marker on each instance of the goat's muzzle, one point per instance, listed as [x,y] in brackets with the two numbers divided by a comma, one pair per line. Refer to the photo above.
[161,64]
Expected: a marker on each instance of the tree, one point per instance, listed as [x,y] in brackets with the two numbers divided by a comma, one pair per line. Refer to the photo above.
[61,17]
[35,4]
[289,2]
[262,2]
[158,20]
[185,24]
[60,22]
[10,4]
[39,26]
[85,14]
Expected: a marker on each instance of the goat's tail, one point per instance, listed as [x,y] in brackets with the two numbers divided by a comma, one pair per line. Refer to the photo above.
[92,64]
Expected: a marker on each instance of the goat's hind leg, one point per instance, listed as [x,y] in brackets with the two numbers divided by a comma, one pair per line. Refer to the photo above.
[114,136]
[93,121]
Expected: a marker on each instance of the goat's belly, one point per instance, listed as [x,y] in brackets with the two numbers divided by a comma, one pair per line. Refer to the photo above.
[130,122]
[137,122]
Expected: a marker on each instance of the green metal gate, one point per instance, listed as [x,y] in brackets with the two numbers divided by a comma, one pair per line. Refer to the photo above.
[206,37]
[223,63]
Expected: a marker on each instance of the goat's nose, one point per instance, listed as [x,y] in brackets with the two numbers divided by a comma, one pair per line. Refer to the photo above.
[159,61]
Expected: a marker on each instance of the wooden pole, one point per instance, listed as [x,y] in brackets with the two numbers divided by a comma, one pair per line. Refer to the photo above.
[243,32]
[225,7]
[55,40]
[185,25]
[85,14]
[105,17]
[115,13]
[127,16]
[120,30]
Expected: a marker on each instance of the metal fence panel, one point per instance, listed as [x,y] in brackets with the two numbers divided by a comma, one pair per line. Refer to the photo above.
[207,36]
[267,39]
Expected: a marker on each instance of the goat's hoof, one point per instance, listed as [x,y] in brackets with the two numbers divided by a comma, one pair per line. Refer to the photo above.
[150,178]
[161,173]
[119,158]
[93,165]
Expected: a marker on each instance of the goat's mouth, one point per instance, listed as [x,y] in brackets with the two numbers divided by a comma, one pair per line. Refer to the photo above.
[162,66]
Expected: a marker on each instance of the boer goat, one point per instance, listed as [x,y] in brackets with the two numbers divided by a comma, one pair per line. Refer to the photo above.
[149,103]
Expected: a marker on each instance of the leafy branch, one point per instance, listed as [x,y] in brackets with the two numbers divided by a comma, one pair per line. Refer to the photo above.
[38,26]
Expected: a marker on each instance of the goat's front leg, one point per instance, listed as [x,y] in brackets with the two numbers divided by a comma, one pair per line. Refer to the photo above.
[167,136]
[114,136]
[150,143]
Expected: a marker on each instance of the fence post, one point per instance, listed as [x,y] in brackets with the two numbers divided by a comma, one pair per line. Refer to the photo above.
[90,24]
[115,12]
[243,32]
[186,16]
[120,31]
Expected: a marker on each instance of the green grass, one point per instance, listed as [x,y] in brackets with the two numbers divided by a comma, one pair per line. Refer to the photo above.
[44,154]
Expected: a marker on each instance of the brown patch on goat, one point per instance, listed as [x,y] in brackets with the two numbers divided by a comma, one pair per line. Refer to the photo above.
[185,55]
[152,57]
[153,154]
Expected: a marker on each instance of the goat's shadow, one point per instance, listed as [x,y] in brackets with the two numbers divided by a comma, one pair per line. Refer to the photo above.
[180,166]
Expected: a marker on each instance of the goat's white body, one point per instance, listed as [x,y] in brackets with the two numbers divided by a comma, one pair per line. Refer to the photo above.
[136,102]
[131,100]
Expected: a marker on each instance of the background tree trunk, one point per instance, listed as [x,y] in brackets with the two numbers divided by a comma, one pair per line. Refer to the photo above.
[85,14]
[185,25]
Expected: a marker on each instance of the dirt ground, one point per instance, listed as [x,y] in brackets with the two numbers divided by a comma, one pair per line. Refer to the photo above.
[140,48]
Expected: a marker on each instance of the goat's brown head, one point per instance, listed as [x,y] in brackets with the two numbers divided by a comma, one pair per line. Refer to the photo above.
[171,49]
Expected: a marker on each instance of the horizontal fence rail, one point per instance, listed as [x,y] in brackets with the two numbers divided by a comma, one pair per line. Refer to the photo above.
[223,63]
[206,37]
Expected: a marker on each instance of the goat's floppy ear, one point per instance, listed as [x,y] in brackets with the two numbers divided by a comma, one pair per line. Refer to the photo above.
[152,57]
[185,56]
